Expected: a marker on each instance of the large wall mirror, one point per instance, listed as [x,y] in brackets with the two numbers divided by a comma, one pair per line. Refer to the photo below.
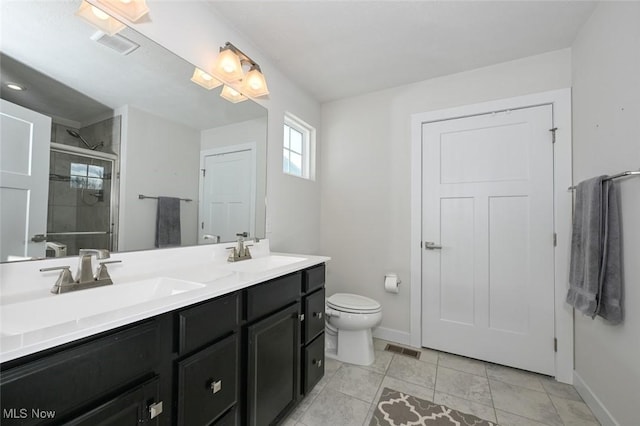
[105,125]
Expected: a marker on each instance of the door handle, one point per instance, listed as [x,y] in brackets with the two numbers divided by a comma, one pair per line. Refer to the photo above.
[38,238]
[428,245]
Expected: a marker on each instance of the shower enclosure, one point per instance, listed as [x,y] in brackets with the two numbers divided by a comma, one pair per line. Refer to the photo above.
[82,208]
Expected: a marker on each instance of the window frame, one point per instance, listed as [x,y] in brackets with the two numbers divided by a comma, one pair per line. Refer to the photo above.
[307,149]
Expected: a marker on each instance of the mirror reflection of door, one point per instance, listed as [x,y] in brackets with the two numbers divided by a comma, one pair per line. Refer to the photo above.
[227,203]
[24,183]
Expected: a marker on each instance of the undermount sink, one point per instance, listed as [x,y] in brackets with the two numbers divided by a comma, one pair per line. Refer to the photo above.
[56,309]
[263,264]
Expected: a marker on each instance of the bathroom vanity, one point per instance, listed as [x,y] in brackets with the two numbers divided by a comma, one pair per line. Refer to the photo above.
[242,350]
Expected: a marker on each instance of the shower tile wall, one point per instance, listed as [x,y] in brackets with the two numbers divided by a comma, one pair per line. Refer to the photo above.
[107,131]
[73,209]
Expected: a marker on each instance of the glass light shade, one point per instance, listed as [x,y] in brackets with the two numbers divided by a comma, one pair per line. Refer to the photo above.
[254,84]
[99,19]
[232,95]
[205,80]
[228,66]
[130,9]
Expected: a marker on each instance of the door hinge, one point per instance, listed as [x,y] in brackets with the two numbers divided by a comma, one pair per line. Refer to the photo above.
[555,344]
[301,317]
[204,172]
[420,244]
[202,225]
[553,133]
[555,239]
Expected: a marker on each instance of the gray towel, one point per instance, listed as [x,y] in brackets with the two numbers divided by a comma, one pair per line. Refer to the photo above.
[610,295]
[594,274]
[168,222]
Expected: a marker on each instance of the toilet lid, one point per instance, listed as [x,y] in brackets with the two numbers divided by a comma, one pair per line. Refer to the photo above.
[353,303]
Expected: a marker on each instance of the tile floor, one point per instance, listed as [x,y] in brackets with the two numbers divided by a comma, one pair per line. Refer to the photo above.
[347,394]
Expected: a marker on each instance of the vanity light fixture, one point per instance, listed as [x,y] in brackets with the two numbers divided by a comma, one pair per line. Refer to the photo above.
[228,69]
[232,95]
[205,80]
[227,65]
[133,10]
[100,19]
[254,83]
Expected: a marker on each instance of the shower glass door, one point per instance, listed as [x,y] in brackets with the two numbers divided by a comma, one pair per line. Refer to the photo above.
[80,209]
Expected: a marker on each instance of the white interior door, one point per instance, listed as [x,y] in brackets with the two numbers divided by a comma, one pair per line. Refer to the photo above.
[488,235]
[228,194]
[25,138]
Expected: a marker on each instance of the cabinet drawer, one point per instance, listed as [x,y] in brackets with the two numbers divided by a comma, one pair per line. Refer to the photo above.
[205,323]
[129,408]
[265,298]
[313,363]
[72,378]
[313,278]
[313,315]
[208,383]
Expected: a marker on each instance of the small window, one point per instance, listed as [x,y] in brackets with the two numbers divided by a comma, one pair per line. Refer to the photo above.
[86,176]
[297,149]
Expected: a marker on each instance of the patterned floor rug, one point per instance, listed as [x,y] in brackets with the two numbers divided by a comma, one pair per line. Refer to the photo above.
[399,409]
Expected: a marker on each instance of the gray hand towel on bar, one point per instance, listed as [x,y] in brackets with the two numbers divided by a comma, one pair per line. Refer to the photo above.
[168,222]
[610,296]
[594,274]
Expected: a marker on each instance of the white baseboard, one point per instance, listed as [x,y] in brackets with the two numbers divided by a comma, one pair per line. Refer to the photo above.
[593,402]
[392,335]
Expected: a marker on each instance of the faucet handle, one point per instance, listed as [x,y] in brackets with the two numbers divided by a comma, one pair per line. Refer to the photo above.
[102,273]
[64,279]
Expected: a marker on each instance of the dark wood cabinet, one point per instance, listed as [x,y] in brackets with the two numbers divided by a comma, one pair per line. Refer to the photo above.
[208,383]
[68,381]
[273,366]
[130,408]
[244,358]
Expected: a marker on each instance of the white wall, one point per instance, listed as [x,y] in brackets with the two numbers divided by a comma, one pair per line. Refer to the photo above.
[606,140]
[192,31]
[160,158]
[241,133]
[365,163]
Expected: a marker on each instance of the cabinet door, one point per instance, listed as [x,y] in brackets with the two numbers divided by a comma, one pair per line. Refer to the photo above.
[72,379]
[313,363]
[130,408]
[313,315]
[207,383]
[273,366]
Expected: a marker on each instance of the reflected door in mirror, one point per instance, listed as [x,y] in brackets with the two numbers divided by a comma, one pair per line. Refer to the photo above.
[24,170]
[228,193]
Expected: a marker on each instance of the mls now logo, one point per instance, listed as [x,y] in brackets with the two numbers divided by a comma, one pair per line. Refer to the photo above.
[23,413]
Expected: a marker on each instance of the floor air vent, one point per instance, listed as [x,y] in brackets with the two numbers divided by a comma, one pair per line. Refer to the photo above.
[402,351]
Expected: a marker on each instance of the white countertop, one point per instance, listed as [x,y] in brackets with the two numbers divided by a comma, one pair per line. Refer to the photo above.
[198,265]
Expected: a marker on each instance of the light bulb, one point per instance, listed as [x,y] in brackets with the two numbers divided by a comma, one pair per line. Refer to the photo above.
[205,76]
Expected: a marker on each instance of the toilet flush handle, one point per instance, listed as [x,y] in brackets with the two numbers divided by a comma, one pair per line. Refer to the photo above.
[331,313]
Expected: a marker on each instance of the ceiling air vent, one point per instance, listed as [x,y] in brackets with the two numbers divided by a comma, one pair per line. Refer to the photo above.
[120,44]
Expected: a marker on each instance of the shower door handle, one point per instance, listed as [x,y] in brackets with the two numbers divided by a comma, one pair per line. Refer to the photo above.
[428,245]
[38,238]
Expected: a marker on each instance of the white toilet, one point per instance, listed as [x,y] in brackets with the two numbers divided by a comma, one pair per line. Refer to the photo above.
[349,320]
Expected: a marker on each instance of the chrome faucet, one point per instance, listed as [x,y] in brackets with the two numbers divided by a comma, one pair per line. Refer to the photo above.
[240,251]
[84,277]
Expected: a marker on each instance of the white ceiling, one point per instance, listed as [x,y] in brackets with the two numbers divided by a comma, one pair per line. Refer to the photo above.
[337,49]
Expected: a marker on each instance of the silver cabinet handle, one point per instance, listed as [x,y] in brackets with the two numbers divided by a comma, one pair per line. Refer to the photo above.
[428,245]
[155,410]
[216,386]
[38,238]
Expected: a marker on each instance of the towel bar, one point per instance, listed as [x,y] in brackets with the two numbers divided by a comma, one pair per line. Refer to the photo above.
[142,197]
[616,176]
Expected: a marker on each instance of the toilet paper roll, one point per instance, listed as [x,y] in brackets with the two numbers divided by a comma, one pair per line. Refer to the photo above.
[391,283]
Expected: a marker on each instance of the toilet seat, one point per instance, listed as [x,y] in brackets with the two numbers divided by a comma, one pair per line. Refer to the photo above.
[353,303]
